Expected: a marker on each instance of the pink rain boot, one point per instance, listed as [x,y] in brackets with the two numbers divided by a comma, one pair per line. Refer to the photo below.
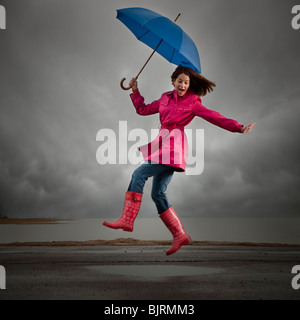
[173,223]
[131,209]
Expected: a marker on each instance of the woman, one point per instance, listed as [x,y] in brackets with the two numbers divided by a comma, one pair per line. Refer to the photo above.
[167,153]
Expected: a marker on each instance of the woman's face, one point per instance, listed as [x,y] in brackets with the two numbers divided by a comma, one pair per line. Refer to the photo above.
[181,84]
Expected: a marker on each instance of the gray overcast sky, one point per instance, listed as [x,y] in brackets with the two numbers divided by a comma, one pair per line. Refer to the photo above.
[60,66]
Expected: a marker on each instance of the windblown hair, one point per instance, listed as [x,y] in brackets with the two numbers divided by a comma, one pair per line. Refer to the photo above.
[198,84]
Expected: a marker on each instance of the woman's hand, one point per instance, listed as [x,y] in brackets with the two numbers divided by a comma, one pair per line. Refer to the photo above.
[133,84]
[248,128]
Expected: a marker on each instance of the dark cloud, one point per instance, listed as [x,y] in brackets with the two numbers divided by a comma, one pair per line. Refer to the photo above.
[61,63]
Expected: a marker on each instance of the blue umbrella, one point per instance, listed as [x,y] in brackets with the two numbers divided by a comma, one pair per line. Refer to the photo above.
[162,35]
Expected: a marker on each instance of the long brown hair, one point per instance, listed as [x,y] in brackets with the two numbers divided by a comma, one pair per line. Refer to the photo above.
[198,84]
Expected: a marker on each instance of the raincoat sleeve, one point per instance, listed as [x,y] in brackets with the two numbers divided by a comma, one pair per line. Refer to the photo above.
[215,117]
[142,108]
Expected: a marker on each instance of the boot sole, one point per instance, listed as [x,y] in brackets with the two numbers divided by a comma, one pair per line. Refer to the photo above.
[184,242]
[116,228]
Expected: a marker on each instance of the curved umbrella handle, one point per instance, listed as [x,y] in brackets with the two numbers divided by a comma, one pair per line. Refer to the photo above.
[122,86]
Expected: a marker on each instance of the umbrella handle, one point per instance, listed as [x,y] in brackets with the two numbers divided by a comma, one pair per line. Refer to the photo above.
[122,86]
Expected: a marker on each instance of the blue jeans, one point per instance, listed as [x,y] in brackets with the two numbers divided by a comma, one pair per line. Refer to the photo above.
[162,176]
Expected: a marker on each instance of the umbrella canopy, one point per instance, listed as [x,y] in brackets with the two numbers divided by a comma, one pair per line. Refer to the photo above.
[162,35]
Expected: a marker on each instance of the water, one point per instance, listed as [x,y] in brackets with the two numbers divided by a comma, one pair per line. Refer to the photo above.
[200,229]
[154,271]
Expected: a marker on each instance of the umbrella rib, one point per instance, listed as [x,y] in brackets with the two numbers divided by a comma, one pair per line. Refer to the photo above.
[172,55]
[140,37]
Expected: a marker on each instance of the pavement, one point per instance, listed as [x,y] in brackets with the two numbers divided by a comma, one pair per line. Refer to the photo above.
[144,273]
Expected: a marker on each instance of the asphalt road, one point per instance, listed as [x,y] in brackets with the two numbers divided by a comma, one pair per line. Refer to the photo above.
[145,273]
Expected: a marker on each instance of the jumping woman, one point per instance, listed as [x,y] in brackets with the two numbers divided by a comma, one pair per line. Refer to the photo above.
[168,152]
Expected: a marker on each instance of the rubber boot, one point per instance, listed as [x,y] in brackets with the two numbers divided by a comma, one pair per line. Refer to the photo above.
[131,209]
[174,224]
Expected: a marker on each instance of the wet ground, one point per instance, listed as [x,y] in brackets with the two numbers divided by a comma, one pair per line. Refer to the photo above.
[134,273]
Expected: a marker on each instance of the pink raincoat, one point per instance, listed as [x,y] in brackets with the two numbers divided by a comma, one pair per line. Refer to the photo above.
[170,147]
